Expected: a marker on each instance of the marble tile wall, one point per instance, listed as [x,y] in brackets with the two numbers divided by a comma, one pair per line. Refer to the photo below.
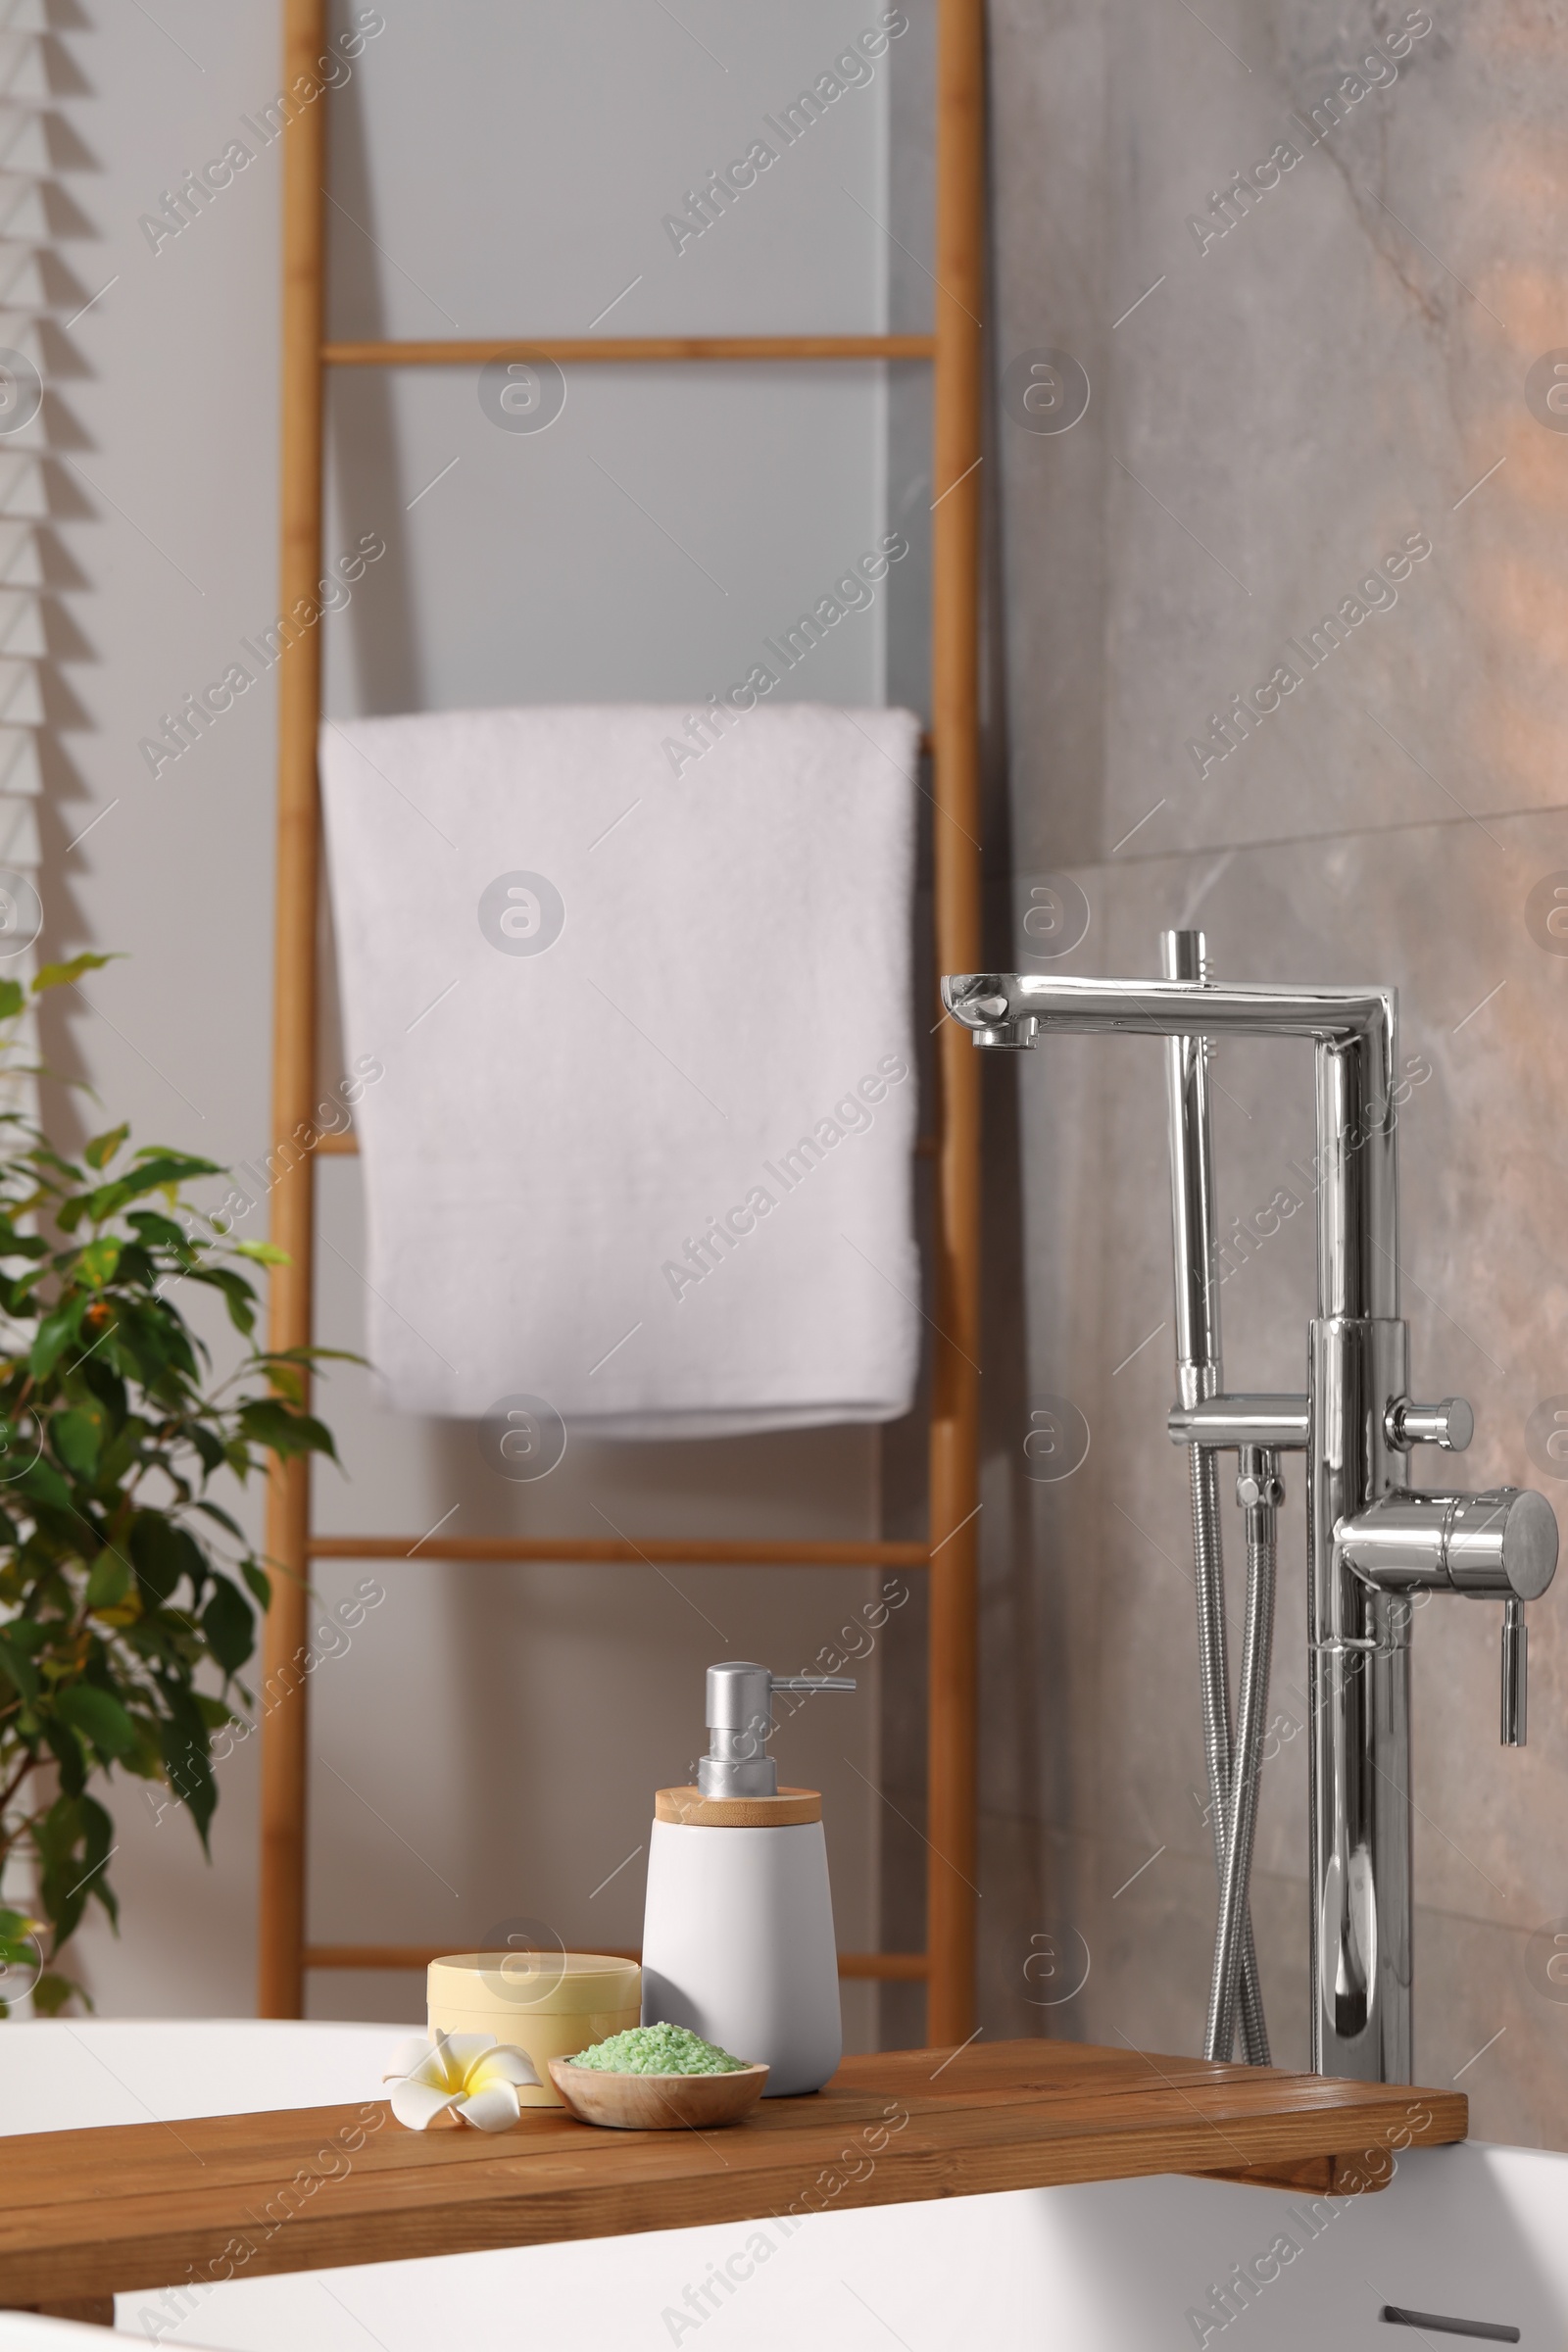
[1286,390]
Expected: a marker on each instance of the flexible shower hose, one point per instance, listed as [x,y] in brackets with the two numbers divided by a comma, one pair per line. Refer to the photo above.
[1246,1996]
[1234,1933]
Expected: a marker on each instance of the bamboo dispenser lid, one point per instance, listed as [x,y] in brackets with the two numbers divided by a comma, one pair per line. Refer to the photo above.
[692,1810]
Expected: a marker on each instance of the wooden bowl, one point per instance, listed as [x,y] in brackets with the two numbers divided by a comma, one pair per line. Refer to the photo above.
[656,2102]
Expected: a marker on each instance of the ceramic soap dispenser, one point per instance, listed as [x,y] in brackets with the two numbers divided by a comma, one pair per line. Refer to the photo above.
[738,1933]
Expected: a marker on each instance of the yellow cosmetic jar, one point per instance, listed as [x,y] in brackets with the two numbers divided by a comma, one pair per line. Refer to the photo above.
[550,2004]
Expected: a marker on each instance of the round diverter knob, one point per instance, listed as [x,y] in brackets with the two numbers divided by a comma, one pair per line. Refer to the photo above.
[1503,1544]
[1451,1424]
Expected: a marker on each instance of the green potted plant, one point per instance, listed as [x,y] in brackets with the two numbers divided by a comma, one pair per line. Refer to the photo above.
[128,1595]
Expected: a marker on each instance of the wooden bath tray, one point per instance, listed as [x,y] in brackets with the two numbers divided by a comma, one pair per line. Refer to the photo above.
[85,2214]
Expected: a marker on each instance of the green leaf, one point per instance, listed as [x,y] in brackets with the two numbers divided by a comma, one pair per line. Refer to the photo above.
[209,1445]
[43,1484]
[162,1553]
[136,1268]
[163,1154]
[18,1669]
[100,1258]
[104,1383]
[103,1148]
[108,1581]
[151,1171]
[62,975]
[237,1292]
[73,1841]
[56,1333]
[12,1000]
[157,1230]
[229,1624]
[65,1748]
[99,1717]
[283,1430]
[231,1526]
[186,1763]
[75,1436]
[266,1253]
[156,1165]
[138,1348]
[260,1583]
[51,1994]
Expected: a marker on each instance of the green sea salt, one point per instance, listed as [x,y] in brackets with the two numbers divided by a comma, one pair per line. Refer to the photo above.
[659,2050]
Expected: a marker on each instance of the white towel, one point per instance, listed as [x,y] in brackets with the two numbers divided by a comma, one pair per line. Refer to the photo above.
[643,1147]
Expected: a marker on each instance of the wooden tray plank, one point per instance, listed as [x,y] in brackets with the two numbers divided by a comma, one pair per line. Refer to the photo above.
[252,2151]
[342,2145]
[49,2166]
[148,2205]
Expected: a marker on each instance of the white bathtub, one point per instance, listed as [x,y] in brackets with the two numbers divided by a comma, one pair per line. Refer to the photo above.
[1471,2232]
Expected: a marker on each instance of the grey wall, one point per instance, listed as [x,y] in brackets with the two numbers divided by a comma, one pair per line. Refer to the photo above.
[1339,371]
[491,172]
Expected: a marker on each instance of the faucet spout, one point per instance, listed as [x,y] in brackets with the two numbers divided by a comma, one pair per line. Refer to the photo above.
[1355,1034]
[1071,1001]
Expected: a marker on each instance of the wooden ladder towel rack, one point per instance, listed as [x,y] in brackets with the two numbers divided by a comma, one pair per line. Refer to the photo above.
[949,1555]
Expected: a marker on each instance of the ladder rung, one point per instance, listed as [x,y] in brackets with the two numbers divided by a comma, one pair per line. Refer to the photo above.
[657,1551]
[344,1143]
[927,752]
[577,349]
[889,1967]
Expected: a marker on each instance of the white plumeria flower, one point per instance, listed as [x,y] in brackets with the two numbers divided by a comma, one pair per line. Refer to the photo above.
[466,2075]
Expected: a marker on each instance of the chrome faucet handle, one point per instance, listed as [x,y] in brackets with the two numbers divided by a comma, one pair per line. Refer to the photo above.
[1501,1545]
[1451,1424]
[1516,1674]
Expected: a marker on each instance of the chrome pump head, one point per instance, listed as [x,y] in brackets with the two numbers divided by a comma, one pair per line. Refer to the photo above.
[739,1723]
